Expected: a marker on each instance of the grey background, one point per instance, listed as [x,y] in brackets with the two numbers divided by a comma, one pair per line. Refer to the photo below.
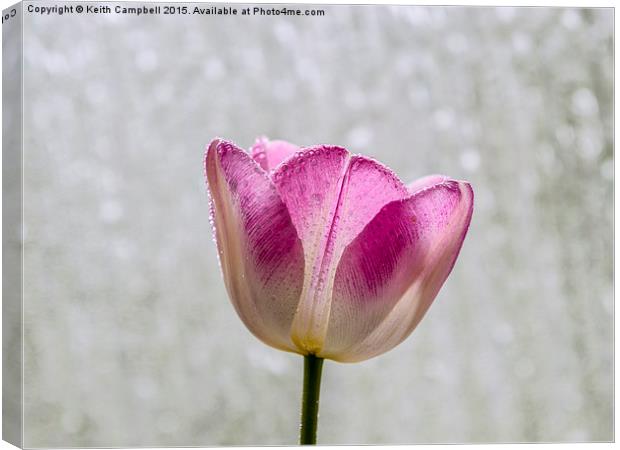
[129,336]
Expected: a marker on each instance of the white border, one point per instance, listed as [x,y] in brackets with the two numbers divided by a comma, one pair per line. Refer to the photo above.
[554,3]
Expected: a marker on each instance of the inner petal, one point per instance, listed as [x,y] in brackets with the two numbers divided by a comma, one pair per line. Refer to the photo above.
[268,154]
[331,196]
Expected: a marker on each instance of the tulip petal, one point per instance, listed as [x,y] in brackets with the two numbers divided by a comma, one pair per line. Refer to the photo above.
[268,154]
[260,254]
[389,275]
[330,196]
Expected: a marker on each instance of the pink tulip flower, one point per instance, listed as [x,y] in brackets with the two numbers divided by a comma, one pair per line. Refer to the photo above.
[327,253]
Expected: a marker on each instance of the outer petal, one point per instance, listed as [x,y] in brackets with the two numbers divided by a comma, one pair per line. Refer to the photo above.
[330,196]
[260,254]
[268,154]
[389,275]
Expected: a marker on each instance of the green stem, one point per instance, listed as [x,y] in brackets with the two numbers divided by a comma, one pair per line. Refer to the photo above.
[310,400]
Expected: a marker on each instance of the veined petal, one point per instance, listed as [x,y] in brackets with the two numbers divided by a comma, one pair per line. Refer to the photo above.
[260,254]
[268,154]
[330,196]
[389,275]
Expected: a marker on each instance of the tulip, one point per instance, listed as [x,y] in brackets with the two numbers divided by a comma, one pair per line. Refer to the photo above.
[328,254]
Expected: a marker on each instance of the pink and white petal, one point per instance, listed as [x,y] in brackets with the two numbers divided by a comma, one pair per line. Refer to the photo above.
[268,154]
[309,184]
[260,254]
[424,182]
[330,196]
[389,275]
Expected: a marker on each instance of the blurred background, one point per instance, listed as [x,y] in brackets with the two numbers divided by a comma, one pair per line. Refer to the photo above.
[130,338]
